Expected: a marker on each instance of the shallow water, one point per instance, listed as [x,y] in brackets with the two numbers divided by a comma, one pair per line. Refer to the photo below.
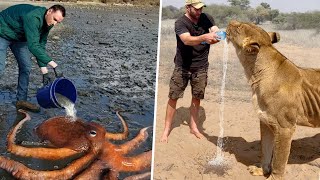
[109,53]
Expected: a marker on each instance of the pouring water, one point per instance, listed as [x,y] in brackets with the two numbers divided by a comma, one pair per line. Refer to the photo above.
[68,105]
[219,160]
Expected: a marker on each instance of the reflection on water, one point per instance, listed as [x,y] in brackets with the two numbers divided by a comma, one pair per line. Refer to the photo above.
[119,75]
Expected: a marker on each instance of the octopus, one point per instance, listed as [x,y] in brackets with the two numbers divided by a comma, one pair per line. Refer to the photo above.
[96,157]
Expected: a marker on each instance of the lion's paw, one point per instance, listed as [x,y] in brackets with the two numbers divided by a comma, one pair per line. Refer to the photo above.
[274,177]
[255,170]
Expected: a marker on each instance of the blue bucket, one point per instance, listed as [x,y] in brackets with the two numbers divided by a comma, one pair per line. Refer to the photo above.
[46,96]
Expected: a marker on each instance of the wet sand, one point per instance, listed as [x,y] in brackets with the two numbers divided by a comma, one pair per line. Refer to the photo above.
[109,53]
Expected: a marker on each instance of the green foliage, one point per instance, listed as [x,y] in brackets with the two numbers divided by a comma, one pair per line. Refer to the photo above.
[291,21]
[262,14]
[222,14]
[265,5]
[274,13]
[243,4]
[171,12]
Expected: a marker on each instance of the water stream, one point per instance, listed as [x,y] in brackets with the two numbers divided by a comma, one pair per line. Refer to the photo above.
[219,159]
[67,105]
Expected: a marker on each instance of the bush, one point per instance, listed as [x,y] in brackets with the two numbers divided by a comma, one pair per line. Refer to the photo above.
[222,14]
[291,21]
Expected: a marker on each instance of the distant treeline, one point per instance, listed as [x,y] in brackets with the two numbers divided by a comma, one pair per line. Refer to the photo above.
[134,2]
[240,10]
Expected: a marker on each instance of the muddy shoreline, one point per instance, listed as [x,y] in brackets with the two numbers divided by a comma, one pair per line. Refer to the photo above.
[110,54]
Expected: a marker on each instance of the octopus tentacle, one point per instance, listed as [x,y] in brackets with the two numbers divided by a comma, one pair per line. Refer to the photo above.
[130,164]
[112,175]
[39,153]
[119,136]
[20,171]
[143,176]
[134,143]
[94,172]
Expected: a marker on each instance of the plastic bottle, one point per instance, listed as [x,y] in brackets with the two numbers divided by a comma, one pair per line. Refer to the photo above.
[222,35]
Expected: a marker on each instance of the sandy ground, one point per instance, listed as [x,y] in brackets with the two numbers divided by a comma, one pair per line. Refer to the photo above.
[186,157]
[110,54]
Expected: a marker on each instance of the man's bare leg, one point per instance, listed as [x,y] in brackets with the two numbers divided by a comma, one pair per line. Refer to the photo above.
[171,110]
[194,113]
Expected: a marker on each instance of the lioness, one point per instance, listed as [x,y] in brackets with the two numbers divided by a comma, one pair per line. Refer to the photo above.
[283,94]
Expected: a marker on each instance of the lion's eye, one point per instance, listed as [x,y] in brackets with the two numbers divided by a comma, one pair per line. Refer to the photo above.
[93,133]
[238,29]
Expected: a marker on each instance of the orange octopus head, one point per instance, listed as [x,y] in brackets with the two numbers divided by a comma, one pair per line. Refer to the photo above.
[73,134]
[96,135]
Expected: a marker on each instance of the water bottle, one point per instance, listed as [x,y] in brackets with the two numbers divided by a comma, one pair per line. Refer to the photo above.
[222,35]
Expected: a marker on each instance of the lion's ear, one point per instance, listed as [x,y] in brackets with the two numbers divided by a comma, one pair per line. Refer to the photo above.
[251,48]
[274,36]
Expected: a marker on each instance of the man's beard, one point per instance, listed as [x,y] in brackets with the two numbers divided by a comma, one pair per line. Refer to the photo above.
[194,15]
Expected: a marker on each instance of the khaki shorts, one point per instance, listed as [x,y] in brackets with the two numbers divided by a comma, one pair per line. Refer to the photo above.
[179,81]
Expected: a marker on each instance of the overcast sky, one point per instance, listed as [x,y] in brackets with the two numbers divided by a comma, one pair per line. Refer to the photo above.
[281,5]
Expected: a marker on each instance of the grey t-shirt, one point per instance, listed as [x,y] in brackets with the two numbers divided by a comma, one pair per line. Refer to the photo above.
[192,57]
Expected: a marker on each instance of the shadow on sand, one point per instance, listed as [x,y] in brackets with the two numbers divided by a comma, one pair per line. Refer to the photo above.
[303,150]
[182,117]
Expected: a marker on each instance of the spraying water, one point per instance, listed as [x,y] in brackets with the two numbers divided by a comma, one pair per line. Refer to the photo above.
[68,106]
[218,160]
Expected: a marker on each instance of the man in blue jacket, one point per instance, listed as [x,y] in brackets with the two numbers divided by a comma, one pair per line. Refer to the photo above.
[25,28]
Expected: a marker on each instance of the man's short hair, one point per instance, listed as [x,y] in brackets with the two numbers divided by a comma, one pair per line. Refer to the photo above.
[58,7]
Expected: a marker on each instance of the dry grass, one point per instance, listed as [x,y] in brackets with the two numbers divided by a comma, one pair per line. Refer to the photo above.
[300,46]
[308,38]
[186,156]
[292,44]
[304,37]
